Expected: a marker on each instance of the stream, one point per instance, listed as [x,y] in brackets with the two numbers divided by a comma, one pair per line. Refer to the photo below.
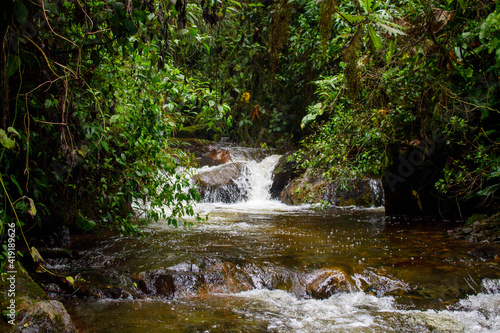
[261,266]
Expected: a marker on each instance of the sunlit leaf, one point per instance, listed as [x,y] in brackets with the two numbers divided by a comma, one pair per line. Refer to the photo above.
[6,141]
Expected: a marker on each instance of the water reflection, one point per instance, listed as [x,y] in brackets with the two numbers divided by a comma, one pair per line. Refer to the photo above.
[249,271]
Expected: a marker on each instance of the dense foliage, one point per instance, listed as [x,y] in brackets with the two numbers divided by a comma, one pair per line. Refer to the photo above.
[95,93]
[436,69]
[89,107]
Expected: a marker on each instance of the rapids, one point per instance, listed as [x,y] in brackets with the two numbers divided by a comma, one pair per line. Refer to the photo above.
[262,266]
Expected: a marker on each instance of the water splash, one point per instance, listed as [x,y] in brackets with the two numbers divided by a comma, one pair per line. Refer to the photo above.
[254,183]
[361,312]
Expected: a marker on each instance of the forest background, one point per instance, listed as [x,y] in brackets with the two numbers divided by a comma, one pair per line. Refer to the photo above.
[95,96]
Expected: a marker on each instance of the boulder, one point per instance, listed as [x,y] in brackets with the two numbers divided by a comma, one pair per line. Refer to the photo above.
[207,153]
[365,192]
[167,283]
[222,184]
[327,281]
[45,316]
[226,278]
[284,172]
[309,189]
[36,313]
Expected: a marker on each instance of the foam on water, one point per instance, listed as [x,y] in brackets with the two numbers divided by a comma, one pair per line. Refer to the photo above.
[360,312]
[256,182]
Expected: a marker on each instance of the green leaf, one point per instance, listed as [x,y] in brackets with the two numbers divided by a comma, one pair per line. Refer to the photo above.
[489,190]
[17,184]
[352,18]
[391,30]
[32,209]
[313,112]
[70,280]
[6,141]
[84,223]
[83,150]
[374,37]
[207,47]
[20,12]
[130,26]
[35,255]
[12,130]
[105,145]
[21,206]
[467,72]
[13,66]
[367,5]
[113,119]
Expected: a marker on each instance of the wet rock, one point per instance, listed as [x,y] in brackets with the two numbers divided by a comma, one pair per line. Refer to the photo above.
[486,251]
[284,172]
[358,192]
[223,183]
[466,231]
[226,278]
[314,189]
[306,189]
[165,285]
[207,153]
[140,283]
[487,228]
[45,316]
[114,293]
[326,282]
[36,313]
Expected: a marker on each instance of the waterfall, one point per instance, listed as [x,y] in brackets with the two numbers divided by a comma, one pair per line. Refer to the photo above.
[241,185]
[247,178]
[259,178]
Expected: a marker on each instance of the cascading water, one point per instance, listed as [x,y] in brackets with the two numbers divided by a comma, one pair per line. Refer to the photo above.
[249,185]
[258,265]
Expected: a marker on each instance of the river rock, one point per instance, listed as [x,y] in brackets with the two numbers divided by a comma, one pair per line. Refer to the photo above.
[311,189]
[45,316]
[168,283]
[284,172]
[36,312]
[327,281]
[207,153]
[165,285]
[226,278]
[223,183]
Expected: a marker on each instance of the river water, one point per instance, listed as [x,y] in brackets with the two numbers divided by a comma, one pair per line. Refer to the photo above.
[262,266]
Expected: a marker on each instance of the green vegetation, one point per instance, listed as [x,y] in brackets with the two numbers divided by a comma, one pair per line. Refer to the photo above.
[94,94]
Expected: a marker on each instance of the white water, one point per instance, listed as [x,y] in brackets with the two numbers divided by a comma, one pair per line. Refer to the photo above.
[256,181]
[359,312]
[354,311]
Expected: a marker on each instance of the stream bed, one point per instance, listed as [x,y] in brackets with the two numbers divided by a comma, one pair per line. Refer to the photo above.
[262,266]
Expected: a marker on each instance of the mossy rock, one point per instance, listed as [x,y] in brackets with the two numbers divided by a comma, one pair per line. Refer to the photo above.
[309,189]
[34,311]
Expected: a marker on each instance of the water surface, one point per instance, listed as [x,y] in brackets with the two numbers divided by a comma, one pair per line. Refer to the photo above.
[262,266]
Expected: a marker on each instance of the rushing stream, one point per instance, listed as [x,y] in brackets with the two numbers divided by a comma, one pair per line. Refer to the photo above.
[262,266]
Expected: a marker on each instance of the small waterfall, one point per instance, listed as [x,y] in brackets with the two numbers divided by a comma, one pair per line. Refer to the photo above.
[247,178]
[260,178]
[376,193]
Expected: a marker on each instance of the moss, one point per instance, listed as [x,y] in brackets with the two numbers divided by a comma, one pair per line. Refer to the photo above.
[27,291]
